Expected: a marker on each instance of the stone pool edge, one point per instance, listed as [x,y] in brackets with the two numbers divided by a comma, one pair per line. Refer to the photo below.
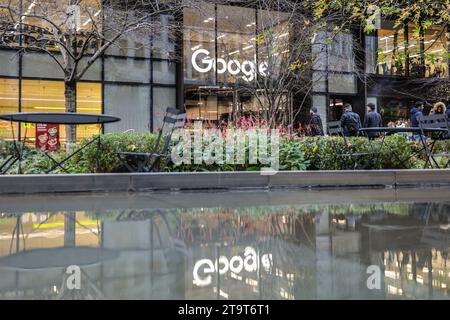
[120,182]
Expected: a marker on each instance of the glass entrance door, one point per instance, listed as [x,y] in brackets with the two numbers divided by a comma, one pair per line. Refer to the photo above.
[210,103]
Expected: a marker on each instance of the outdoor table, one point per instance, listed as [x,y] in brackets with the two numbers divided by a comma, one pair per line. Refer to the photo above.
[63,118]
[414,130]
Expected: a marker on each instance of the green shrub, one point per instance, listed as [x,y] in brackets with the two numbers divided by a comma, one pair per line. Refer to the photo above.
[110,145]
[397,153]
[322,152]
[6,148]
[296,153]
[192,167]
[292,154]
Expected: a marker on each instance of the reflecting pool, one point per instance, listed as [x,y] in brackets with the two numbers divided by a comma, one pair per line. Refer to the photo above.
[350,244]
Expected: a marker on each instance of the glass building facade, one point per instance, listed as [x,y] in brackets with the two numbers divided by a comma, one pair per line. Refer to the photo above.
[134,80]
[219,53]
[222,53]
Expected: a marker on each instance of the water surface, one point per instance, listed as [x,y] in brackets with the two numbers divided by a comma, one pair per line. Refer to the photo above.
[231,245]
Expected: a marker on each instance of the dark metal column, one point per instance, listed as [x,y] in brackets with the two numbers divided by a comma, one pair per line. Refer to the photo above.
[179,56]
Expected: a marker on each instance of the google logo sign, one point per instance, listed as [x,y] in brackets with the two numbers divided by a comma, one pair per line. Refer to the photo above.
[249,262]
[247,68]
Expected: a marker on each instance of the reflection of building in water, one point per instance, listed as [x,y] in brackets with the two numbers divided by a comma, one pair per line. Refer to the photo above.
[413,249]
[311,258]
[289,252]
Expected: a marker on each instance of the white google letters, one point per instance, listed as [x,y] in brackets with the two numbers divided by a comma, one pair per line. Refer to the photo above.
[250,262]
[234,67]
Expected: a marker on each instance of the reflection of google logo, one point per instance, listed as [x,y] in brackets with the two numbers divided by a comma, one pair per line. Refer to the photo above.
[234,67]
[250,262]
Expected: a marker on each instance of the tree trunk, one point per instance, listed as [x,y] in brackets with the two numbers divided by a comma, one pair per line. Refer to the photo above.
[71,106]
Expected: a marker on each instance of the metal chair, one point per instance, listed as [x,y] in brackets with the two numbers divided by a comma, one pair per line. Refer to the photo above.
[335,129]
[438,121]
[147,162]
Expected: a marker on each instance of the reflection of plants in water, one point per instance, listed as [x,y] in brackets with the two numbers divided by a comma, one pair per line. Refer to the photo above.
[236,224]
[418,273]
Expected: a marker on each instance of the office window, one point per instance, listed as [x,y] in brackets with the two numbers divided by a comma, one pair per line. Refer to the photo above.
[9,65]
[41,65]
[163,98]
[127,70]
[164,72]
[131,103]
[9,103]
[94,73]
[391,49]
[164,38]
[199,45]
[131,45]
[48,96]
[436,52]
[236,44]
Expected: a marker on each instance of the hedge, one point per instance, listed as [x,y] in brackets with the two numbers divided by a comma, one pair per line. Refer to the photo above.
[295,153]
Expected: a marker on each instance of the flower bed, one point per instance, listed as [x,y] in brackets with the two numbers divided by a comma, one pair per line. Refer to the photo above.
[296,152]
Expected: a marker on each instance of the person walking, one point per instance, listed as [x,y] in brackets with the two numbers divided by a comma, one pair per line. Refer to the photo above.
[350,122]
[315,124]
[415,112]
[372,120]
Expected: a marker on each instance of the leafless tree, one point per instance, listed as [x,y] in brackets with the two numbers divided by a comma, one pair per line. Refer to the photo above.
[75,33]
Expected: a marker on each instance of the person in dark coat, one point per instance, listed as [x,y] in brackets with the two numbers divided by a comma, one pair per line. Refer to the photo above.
[372,120]
[315,124]
[415,112]
[350,122]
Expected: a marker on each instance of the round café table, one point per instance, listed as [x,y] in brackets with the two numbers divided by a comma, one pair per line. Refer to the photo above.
[414,130]
[64,118]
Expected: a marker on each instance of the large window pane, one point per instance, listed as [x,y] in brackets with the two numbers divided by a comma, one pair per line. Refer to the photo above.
[416,63]
[9,65]
[391,50]
[135,43]
[127,70]
[94,73]
[9,103]
[436,52]
[164,38]
[131,45]
[236,32]
[199,45]
[131,104]
[163,98]
[41,65]
[273,41]
[48,96]
[164,72]
[89,100]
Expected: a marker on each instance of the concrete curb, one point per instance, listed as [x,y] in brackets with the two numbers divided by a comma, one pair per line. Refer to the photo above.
[119,182]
